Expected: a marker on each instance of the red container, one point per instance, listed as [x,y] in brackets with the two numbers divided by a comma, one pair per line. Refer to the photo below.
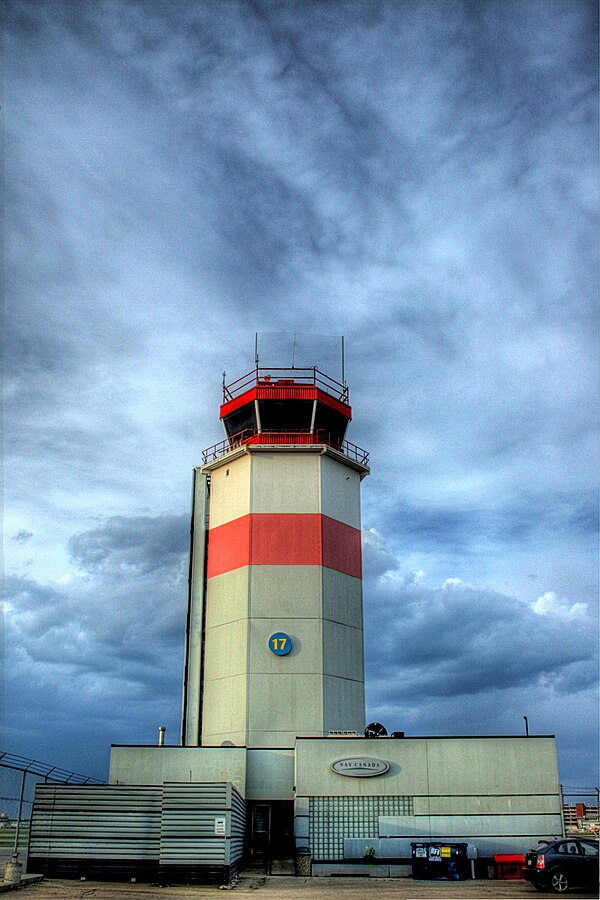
[509,865]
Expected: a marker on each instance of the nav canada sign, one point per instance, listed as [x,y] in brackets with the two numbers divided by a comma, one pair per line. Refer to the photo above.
[360,767]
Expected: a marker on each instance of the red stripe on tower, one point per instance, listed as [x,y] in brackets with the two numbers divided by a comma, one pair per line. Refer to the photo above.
[341,547]
[284,539]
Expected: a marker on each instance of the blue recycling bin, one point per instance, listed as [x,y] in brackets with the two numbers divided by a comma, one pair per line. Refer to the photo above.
[439,860]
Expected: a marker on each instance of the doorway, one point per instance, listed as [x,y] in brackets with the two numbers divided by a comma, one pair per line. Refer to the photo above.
[270,832]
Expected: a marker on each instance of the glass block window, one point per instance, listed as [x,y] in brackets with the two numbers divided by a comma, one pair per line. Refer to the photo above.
[334,818]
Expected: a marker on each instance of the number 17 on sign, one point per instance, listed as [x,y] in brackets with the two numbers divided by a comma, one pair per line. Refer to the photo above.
[280,644]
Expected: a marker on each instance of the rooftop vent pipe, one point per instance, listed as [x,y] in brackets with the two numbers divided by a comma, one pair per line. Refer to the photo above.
[161,735]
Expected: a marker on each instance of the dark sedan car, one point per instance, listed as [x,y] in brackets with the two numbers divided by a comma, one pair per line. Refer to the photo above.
[560,865]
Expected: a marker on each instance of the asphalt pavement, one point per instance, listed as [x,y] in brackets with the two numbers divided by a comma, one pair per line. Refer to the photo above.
[273,887]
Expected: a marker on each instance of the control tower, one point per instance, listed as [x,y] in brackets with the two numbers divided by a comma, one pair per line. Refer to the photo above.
[274,638]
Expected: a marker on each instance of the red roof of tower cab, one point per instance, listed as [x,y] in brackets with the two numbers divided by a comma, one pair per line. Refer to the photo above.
[285,384]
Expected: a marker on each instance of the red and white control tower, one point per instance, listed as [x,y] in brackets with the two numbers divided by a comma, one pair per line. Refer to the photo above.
[274,641]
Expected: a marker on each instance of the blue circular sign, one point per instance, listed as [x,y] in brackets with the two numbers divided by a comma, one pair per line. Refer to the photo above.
[280,643]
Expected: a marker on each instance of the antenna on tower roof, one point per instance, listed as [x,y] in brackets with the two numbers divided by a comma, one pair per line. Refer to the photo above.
[256,349]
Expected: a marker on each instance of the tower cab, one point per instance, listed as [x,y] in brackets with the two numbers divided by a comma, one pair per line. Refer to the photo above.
[285,406]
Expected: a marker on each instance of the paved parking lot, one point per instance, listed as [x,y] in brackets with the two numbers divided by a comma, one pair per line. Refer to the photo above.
[290,888]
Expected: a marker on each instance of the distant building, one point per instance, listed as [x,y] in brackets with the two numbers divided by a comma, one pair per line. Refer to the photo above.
[581,817]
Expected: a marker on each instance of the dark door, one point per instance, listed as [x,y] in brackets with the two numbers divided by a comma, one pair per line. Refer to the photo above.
[271,831]
[260,830]
[282,830]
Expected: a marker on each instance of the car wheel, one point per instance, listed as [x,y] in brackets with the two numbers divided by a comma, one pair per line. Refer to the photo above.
[559,883]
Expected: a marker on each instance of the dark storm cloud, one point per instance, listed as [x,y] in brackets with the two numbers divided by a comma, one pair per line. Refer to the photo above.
[460,640]
[515,520]
[135,546]
[465,660]
[108,627]
[122,614]
[101,655]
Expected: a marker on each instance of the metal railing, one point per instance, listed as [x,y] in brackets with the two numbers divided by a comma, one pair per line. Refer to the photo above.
[253,436]
[46,771]
[285,378]
[36,769]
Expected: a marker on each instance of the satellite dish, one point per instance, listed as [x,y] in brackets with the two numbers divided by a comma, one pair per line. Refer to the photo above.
[227,744]
[375,729]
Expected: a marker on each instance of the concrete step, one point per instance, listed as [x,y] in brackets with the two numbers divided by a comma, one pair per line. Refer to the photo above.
[249,880]
[282,867]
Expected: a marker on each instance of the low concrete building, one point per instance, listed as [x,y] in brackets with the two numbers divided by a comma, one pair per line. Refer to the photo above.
[342,798]
[349,805]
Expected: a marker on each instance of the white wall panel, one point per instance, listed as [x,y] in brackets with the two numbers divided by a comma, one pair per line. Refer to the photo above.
[343,704]
[342,598]
[492,805]
[286,591]
[340,492]
[467,827]
[270,774]
[224,710]
[285,482]
[492,765]
[226,650]
[227,597]
[155,765]
[342,651]
[230,491]
[292,705]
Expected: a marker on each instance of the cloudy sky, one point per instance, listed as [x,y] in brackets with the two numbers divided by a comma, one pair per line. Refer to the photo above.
[418,176]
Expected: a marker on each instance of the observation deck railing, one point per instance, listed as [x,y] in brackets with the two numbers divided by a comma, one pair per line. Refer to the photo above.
[253,436]
[285,378]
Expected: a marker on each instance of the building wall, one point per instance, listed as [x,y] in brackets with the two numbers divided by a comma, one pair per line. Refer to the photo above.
[283,556]
[153,765]
[265,774]
[193,652]
[499,793]
[581,817]
[270,775]
[340,492]
[230,491]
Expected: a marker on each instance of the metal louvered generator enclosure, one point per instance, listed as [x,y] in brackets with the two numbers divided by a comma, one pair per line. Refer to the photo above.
[174,832]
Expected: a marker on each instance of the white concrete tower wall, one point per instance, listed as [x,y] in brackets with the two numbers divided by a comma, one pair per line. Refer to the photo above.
[283,557]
